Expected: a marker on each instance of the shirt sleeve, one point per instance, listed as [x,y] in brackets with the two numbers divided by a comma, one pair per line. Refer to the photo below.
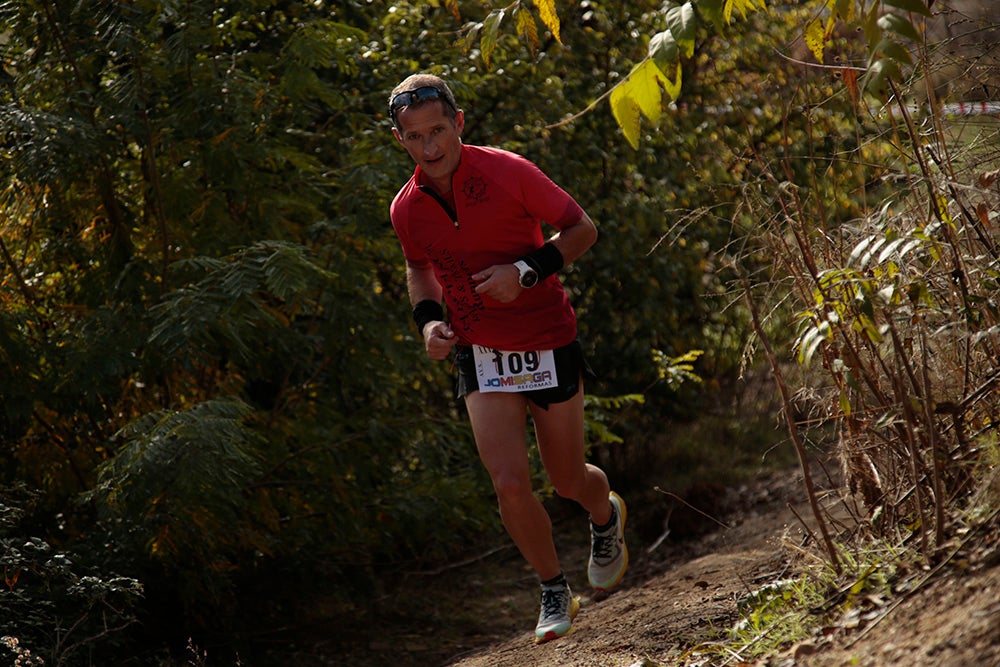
[399,217]
[544,199]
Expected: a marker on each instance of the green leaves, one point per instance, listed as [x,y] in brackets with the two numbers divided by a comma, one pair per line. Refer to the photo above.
[885,33]
[488,31]
[180,477]
[639,94]
[681,24]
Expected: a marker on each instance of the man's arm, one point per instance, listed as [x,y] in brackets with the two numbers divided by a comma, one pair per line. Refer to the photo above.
[500,281]
[422,285]
[576,239]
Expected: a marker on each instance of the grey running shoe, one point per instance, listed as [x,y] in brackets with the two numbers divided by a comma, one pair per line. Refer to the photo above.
[608,553]
[559,608]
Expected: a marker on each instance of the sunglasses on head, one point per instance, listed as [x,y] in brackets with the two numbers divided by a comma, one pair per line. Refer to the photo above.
[416,96]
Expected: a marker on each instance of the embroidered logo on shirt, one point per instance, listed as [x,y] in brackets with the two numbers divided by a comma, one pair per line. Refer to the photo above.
[474,190]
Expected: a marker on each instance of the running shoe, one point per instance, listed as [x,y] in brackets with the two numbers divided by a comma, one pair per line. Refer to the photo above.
[608,553]
[559,608]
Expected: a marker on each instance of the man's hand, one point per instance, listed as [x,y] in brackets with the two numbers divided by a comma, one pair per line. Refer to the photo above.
[439,339]
[499,282]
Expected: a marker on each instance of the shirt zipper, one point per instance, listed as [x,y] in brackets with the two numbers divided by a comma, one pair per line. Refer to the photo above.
[440,200]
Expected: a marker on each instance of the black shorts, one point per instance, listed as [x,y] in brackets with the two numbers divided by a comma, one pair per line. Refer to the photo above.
[571,367]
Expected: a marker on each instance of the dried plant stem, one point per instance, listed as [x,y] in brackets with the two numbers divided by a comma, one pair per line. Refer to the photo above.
[793,431]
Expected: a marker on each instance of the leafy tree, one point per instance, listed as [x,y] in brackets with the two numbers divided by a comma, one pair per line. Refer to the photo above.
[203,322]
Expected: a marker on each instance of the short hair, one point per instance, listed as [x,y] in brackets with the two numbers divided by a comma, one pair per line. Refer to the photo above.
[424,80]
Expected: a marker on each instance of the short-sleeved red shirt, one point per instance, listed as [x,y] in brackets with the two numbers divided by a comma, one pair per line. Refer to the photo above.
[500,199]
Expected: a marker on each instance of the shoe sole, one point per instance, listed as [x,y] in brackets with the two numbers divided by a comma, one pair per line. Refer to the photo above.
[574,608]
[623,513]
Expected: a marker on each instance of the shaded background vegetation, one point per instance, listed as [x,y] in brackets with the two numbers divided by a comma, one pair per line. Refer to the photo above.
[216,419]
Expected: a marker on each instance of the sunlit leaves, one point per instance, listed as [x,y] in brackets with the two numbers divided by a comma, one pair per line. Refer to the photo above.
[744,7]
[675,371]
[682,23]
[639,94]
[721,12]
[526,26]
[664,50]
[547,12]
[884,272]
[488,32]
[815,38]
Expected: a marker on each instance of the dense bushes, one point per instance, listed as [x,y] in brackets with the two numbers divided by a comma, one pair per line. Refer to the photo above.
[213,403]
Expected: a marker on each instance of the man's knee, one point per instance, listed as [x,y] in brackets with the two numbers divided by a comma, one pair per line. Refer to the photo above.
[512,488]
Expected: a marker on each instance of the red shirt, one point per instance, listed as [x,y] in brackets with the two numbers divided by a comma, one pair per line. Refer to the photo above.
[500,199]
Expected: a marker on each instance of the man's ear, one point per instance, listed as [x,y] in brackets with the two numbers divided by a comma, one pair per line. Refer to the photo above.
[460,121]
[395,133]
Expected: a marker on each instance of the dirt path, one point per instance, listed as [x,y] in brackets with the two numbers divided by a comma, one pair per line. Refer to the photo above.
[685,595]
[671,600]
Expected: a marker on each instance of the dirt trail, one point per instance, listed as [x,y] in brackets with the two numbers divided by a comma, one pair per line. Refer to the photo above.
[681,596]
[669,598]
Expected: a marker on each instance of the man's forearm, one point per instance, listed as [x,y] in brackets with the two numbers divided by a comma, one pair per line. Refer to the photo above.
[422,285]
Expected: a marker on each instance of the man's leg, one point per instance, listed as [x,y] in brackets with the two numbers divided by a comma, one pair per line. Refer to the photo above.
[498,423]
[560,442]
[559,430]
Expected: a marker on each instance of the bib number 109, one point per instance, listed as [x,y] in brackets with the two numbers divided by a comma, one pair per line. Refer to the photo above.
[499,370]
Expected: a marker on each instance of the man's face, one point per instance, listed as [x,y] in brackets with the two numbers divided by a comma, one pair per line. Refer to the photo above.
[433,140]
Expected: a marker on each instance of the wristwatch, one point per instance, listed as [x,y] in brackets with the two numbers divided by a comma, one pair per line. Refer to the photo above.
[527,276]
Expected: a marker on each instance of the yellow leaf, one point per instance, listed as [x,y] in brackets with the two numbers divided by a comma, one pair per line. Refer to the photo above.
[673,88]
[743,6]
[547,12]
[491,31]
[815,38]
[645,88]
[626,113]
[526,27]
[639,93]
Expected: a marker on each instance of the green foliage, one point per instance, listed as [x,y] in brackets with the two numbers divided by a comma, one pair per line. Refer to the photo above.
[203,316]
[180,476]
[54,607]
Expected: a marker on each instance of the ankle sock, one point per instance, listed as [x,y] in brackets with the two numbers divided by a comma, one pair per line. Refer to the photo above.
[606,527]
[558,580]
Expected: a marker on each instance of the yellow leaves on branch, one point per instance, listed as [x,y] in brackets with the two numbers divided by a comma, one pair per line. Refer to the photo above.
[524,21]
[744,7]
[641,94]
[815,38]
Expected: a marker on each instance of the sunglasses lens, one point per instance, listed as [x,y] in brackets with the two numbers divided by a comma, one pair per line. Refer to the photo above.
[411,97]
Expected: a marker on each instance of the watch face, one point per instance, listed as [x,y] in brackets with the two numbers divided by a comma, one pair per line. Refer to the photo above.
[529,278]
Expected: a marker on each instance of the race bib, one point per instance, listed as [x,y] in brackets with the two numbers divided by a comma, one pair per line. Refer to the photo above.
[514,371]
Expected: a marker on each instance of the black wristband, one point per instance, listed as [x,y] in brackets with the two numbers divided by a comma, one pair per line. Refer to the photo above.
[545,261]
[426,311]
